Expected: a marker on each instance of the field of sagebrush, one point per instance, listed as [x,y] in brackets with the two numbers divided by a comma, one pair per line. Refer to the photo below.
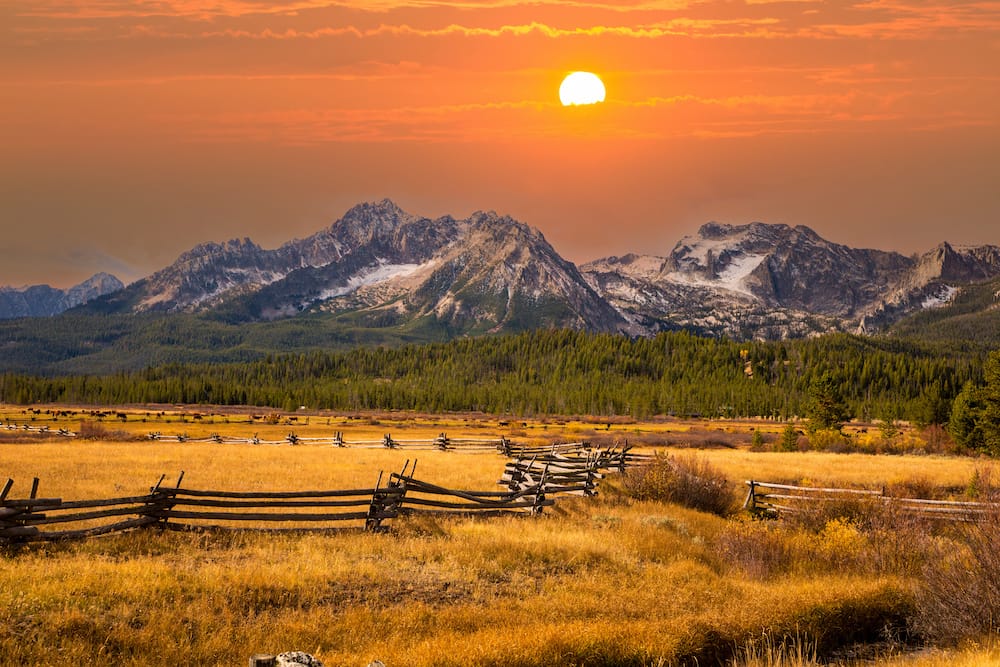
[627,578]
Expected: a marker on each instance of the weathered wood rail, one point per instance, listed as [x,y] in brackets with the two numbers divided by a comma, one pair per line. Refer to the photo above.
[531,485]
[768,499]
[24,519]
[441,442]
[32,519]
[387,441]
[45,428]
[426,498]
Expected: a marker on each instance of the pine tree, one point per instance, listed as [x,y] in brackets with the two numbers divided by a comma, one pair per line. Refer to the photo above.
[789,438]
[966,411]
[826,406]
[989,421]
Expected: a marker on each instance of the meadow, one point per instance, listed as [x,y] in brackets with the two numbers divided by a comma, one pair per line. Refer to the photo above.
[612,580]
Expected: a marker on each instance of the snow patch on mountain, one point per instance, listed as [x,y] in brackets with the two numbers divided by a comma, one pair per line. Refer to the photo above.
[153,299]
[378,273]
[693,251]
[941,298]
[731,278]
[734,275]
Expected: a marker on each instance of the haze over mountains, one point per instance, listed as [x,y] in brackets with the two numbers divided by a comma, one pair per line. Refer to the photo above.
[45,301]
[380,266]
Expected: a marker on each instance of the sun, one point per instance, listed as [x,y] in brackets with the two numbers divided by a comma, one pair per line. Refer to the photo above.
[581,88]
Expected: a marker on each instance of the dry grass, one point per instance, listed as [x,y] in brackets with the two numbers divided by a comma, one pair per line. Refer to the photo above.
[611,581]
[830,469]
[76,470]
[607,588]
[969,656]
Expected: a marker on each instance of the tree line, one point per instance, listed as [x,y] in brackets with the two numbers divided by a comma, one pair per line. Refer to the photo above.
[555,372]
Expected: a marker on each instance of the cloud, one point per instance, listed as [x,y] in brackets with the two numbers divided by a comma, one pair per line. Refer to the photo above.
[685,115]
[874,19]
[197,9]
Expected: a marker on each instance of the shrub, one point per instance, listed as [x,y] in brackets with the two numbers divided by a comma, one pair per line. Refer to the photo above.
[690,481]
[861,511]
[937,440]
[982,485]
[884,543]
[789,439]
[959,597]
[94,431]
[759,549]
[829,440]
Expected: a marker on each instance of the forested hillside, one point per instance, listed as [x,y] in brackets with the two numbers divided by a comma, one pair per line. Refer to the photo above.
[972,319]
[554,372]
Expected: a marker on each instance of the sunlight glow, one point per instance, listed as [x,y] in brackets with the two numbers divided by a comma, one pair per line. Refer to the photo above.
[581,88]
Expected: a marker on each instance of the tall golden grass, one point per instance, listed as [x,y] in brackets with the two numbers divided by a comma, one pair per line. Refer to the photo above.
[606,581]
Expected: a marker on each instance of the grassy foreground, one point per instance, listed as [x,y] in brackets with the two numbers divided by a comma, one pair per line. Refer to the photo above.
[606,581]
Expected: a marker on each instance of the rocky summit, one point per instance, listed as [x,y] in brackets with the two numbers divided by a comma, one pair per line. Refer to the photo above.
[776,281]
[385,267]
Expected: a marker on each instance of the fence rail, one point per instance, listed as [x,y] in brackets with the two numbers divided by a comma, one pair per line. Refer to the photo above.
[531,485]
[768,499]
[441,442]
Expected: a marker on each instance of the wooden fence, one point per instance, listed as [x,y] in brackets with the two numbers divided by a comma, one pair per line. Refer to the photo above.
[11,426]
[41,519]
[531,486]
[769,499]
[441,442]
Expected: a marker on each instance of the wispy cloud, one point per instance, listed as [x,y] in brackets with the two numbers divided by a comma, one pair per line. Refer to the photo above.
[648,118]
[236,8]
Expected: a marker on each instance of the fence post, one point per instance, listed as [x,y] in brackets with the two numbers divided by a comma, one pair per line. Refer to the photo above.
[15,522]
[373,522]
[537,507]
[442,442]
[750,504]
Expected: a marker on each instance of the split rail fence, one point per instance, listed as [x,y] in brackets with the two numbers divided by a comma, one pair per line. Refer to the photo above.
[387,441]
[767,499]
[531,485]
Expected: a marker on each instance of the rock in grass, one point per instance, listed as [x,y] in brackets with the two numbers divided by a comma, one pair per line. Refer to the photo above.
[297,659]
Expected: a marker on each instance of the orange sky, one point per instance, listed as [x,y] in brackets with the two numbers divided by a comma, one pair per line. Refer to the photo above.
[131,131]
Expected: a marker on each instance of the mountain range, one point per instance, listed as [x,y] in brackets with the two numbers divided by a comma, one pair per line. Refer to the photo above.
[381,267]
[45,301]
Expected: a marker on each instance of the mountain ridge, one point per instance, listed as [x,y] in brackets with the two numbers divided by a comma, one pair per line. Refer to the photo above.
[46,301]
[379,266]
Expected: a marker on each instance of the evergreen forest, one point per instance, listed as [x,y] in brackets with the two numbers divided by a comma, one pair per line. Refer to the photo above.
[556,372]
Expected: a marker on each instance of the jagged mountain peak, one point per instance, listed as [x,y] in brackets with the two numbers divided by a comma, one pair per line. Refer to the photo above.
[504,226]
[754,233]
[384,212]
[212,249]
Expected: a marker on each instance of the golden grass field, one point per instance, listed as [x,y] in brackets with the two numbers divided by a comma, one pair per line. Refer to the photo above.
[604,581]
